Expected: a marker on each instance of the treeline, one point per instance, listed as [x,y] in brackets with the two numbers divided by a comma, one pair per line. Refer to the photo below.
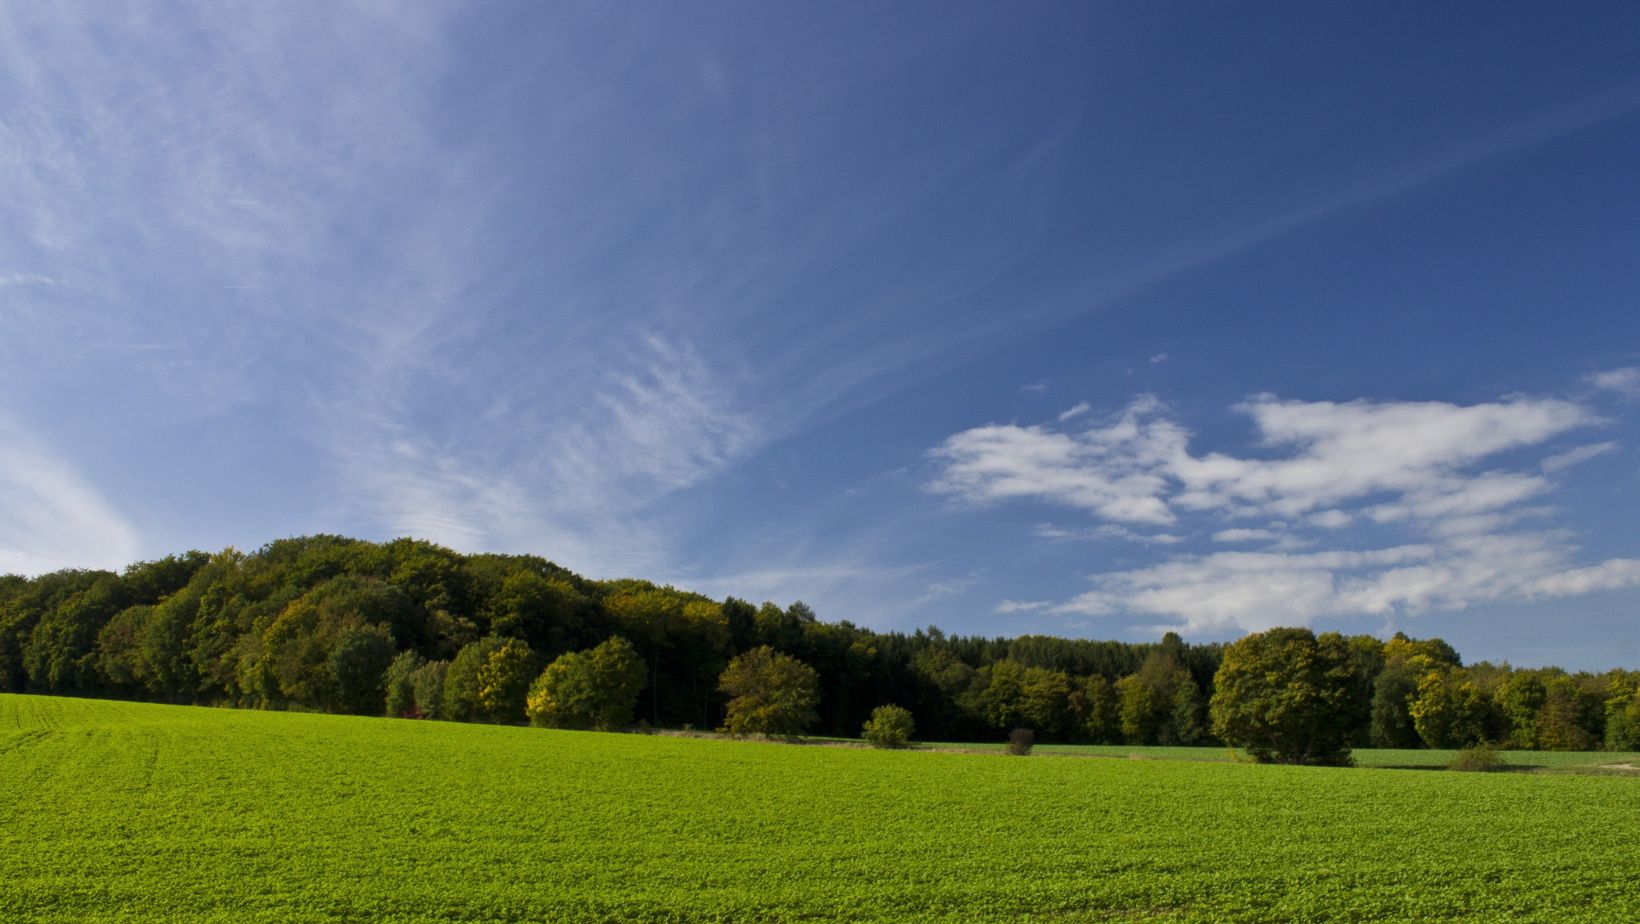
[410,628]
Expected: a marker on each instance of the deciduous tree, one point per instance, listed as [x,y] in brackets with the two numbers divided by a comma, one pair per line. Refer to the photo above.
[1448,710]
[769,693]
[400,684]
[1288,697]
[597,688]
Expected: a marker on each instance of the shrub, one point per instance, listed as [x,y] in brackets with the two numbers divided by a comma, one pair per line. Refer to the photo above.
[1478,758]
[889,727]
[1020,741]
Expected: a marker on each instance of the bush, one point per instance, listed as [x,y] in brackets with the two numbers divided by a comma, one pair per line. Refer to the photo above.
[889,727]
[1478,758]
[1020,741]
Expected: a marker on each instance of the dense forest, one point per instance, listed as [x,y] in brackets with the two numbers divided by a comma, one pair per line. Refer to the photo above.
[409,628]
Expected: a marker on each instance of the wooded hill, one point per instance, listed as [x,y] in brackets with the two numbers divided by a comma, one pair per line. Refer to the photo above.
[316,622]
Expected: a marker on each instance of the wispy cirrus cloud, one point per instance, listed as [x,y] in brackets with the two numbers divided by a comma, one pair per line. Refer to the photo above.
[1104,531]
[1576,456]
[1246,534]
[1624,381]
[276,199]
[1077,410]
[232,166]
[53,517]
[578,481]
[1409,466]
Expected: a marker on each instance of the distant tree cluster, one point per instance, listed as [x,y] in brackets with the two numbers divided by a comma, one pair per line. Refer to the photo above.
[410,629]
[1288,695]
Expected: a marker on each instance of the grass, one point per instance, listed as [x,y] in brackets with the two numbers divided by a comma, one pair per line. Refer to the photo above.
[1582,762]
[133,812]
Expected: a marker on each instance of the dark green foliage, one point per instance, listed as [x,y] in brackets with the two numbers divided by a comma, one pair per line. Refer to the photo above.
[427,686]
[1572,717]
[61,654]
[589,689]
[119,656]
[1367,656]
[1097,710]
[461,683]
[399,684]
[1392,693]
[1187,722]
[539,607]
[683,639]
[1449,710]
[1044,700]
[996,693]
[1520,699]
[357,663]
[488,681]
[888,727]
[1288,697]
[769,694]
[1160,703]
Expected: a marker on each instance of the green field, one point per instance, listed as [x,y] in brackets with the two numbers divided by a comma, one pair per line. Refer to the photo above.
[1586,762]
[131,812]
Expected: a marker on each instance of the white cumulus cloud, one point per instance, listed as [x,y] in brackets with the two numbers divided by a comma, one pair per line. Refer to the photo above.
[1408,467]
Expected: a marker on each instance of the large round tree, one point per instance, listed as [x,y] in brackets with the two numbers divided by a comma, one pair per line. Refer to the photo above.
[1288,697]
[769,693]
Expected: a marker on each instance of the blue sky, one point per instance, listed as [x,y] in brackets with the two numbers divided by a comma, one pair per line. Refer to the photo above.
[1084,319]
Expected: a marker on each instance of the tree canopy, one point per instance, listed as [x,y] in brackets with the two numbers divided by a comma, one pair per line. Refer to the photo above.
[1288,697]
[769,694]
[597,688]
[413,629]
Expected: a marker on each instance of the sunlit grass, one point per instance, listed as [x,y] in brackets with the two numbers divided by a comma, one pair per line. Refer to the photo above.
[131,812]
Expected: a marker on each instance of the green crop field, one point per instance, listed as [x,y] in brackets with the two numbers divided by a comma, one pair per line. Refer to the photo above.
[1588,762]
[129,812]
